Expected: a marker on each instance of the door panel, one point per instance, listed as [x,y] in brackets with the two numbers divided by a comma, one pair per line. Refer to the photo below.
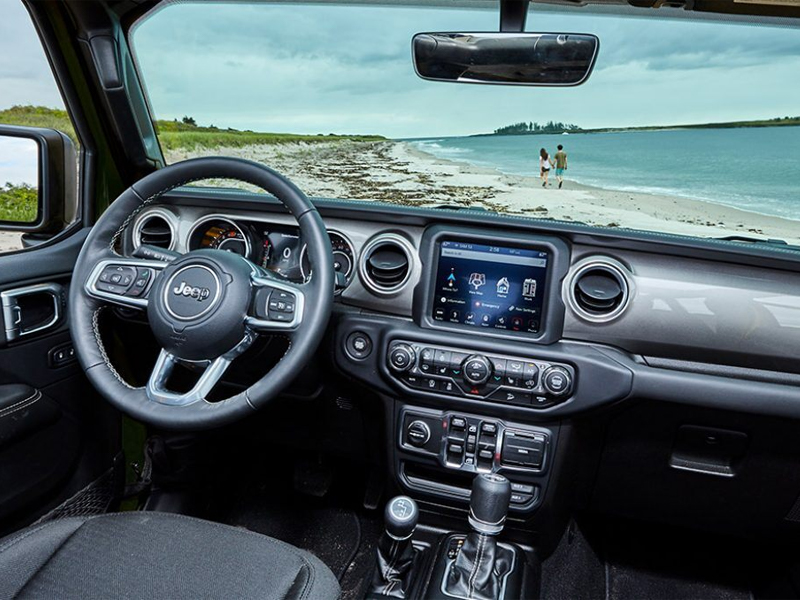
[56,434]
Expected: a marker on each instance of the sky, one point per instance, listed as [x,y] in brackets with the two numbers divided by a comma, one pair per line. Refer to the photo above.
[19,161]
[347,69]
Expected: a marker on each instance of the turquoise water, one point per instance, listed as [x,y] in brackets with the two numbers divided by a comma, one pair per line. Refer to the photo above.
[755,169]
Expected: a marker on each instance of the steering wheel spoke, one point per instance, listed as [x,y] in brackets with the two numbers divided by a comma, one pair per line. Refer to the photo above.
[124,281]
[214,370]
[278,306]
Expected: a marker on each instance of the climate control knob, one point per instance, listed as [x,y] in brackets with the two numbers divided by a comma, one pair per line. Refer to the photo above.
[477,369]
[557,381]
[402,357]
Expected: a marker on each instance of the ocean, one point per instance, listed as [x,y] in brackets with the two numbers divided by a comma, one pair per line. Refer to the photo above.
[755,169]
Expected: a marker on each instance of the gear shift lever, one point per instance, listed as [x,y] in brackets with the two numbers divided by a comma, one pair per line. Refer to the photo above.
[488,503]
[481,565]
[395,553]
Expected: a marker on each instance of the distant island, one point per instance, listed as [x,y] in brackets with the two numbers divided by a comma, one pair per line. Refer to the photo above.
[554,127]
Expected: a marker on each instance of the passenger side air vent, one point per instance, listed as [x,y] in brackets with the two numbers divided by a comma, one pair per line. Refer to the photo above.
[154,230]
[385,264]
[598,289]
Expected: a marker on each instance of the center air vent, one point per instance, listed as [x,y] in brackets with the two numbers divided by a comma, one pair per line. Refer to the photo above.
[154,230]
[598,289]
[385,264]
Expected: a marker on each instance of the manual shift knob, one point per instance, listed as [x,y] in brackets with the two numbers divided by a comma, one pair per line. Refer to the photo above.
[488,503]
[401,517]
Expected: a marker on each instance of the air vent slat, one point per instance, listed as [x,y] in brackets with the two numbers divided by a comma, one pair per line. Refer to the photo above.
[599,290]
[155,231]
[386,265]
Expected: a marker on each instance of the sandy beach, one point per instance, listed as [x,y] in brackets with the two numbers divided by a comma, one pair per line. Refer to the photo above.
[399,173]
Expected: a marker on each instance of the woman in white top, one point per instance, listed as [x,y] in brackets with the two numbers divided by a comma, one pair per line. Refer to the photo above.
[545,164]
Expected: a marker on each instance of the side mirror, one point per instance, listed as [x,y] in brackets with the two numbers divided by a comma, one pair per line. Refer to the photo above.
[38,179]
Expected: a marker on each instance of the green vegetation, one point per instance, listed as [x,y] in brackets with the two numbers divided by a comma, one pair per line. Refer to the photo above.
[533,127]
[557,127]
[18,203]
[39,116]
[175,134]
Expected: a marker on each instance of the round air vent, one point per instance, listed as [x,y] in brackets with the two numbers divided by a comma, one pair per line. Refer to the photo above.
[598,289]
[385,264]
[154,230]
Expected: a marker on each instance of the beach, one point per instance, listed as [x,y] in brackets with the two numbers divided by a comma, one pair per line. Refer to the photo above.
[400,173]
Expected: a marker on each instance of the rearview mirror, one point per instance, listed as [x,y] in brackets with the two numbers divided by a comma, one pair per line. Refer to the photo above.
[539,59]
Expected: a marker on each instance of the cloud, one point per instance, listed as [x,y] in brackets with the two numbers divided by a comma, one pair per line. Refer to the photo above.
[25,75]
[321,68]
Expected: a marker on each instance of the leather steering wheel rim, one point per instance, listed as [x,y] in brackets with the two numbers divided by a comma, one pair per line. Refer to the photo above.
[85,307]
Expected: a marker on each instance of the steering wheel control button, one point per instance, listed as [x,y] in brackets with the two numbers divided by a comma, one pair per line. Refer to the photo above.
[116,279]
[402,358]
[477,369]
[418,433]
[281,306]
[358,345]
[557,381]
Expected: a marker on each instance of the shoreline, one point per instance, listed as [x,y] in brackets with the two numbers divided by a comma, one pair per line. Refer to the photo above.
[624,209]
[397,172]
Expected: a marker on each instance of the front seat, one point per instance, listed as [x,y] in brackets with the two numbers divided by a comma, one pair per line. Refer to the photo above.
[156,555]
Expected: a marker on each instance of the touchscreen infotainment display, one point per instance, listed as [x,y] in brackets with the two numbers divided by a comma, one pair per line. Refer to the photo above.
[487,286]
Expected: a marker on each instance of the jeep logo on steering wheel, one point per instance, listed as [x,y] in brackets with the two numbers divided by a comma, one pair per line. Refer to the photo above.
[198,293]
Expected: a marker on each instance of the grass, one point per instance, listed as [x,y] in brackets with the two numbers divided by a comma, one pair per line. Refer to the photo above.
[176,135]
[18,203]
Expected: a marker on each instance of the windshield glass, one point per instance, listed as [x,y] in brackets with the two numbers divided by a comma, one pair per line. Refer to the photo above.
[687,127]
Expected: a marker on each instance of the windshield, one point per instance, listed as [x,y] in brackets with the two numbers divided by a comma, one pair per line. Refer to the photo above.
[687,127]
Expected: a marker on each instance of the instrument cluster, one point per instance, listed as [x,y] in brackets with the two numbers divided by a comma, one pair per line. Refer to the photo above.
[273,247]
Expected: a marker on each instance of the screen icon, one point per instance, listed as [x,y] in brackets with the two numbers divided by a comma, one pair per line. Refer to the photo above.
[451,280]
[502,285]
[529,288]
[477,280]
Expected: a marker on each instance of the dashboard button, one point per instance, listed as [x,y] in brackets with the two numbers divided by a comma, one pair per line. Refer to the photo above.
[499,366]
[418,433]
[530,376]
[477,369]
[458,423]
[515,368]
[358,345]
[557,381]
[401,357]
[517,498]
[511,396]
[448,387]
[521,488]
[489,428]
[441,358]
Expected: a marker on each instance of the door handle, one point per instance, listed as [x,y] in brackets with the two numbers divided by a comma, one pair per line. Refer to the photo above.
[32,309]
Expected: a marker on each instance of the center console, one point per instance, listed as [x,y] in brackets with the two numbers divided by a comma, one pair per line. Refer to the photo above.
[478,381]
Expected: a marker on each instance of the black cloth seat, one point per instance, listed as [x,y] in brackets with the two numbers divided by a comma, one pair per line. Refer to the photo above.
[156,555]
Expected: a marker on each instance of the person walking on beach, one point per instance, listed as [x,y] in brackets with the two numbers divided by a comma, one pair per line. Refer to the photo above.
[561,165]
[544,166]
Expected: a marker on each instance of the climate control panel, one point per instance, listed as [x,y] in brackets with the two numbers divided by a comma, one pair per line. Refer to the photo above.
[514,380]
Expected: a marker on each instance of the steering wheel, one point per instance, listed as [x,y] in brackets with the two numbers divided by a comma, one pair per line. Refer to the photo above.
[205,307]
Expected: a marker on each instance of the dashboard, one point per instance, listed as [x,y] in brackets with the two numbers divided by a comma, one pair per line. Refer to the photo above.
[485,337]
[542,351]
